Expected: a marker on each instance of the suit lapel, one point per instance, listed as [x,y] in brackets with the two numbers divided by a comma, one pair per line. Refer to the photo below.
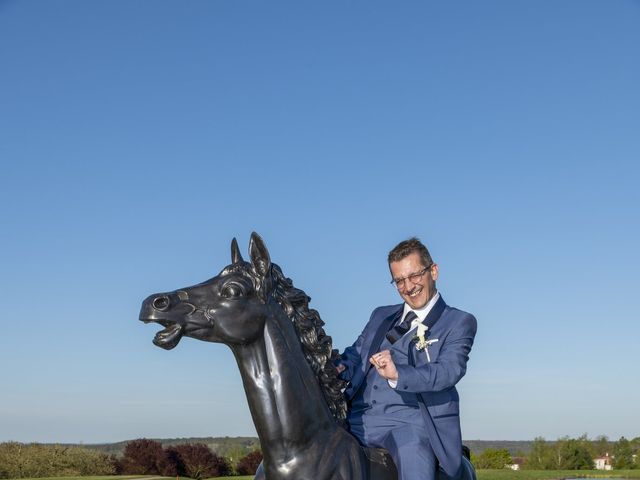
[435,313]
[384,327]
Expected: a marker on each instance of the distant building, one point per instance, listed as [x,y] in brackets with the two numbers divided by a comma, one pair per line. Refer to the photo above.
[517,463]
[603,463]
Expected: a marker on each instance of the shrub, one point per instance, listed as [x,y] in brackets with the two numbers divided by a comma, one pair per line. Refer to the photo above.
[19,460]
[141,457]
[248,464]
[196,460]
[493,458]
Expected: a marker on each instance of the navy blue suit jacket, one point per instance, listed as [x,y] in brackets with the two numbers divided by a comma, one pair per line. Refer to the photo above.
[434,381]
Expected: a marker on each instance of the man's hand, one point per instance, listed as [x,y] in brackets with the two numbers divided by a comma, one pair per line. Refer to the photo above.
[384,365]
[340,368]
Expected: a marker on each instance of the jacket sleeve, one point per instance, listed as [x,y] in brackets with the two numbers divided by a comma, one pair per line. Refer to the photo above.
[446,370]
[351,358]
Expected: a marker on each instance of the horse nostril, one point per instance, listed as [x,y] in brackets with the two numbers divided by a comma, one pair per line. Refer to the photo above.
[161,303]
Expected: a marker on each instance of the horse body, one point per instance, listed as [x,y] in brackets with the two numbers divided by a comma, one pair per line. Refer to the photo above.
[284,357]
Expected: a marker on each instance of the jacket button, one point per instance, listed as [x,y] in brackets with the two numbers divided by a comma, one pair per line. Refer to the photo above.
[374,402]
[406,387]
[375,387]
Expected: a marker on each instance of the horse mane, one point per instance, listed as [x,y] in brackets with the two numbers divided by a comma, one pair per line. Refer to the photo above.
[316,344]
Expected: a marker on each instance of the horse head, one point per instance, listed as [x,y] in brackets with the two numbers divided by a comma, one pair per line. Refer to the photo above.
[230,308]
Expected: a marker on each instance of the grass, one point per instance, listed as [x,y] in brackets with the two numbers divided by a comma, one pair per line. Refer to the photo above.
[250,477]
[99,477]
[107,477]
[508,474]
[131,477]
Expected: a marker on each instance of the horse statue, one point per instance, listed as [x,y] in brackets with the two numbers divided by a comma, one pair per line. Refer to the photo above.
[285,360]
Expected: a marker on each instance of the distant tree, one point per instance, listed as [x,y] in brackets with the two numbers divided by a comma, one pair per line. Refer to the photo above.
[601,446]
[248,464]
[141,457]
[116,464]
[169,464]
[622,454]
[234,453]
[493,458]
[541,457]
[575,454]
[11,454]
[558,452]
[635,448]
[198,461]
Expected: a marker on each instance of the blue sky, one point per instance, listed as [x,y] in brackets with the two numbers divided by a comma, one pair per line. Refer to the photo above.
[138,138]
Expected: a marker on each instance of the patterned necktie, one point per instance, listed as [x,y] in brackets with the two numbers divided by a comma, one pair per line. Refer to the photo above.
[396,333]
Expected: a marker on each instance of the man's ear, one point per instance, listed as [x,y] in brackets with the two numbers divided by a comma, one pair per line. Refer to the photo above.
[259,254]
[434,272]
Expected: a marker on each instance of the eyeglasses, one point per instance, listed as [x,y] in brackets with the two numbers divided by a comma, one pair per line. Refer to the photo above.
[413,278]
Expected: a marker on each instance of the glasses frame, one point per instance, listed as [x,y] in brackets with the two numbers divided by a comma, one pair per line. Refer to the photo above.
[401,282]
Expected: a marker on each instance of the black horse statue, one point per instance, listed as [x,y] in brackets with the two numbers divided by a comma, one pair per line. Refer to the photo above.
[284,356]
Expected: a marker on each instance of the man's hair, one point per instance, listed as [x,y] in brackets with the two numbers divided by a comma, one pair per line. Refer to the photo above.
[407,247]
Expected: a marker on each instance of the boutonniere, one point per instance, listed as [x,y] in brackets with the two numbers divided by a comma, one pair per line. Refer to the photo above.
[421,339]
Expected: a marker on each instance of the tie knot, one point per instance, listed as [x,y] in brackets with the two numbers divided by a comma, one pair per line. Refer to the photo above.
[409,317]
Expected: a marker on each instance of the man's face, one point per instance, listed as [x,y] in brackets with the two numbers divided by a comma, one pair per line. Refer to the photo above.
[416,292]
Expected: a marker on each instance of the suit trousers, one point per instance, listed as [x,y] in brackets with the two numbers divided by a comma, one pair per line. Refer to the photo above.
[407,444]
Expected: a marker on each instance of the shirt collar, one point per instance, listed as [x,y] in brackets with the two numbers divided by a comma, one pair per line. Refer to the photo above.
[420,312]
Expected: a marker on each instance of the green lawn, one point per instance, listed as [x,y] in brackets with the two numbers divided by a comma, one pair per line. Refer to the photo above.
[131,477]
[250,477]
[508,474]
[105,477]
[535,474]
[97,477]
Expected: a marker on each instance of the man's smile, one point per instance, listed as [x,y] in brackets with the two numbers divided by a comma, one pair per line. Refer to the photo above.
[415,293]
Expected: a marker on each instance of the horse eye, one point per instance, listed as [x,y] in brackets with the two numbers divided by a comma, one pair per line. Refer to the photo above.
[231,290]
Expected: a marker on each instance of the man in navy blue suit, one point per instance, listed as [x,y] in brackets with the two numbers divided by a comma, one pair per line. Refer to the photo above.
[403,369]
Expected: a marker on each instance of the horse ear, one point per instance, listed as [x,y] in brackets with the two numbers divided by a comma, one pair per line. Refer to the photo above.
[259,254]
[236,256]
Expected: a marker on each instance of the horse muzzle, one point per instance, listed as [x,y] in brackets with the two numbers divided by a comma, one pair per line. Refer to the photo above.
[155,309]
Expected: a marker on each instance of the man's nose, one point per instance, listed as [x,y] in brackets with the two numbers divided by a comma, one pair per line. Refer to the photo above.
[410,285]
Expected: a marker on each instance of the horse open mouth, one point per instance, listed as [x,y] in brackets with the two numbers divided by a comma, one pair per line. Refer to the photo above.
[169,337]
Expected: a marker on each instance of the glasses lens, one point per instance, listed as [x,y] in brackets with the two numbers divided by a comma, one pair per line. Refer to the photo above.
[413,278]
[416,277]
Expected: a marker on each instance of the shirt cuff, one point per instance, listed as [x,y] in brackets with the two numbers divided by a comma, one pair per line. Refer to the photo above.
[392,383]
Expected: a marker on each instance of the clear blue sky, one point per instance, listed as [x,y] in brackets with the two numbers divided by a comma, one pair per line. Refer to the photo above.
[137,138]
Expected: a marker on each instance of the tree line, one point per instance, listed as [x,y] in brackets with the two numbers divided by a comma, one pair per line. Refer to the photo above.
[565,454]
[140,457]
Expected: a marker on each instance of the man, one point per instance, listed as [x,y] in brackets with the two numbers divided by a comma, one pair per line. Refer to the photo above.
[403,369]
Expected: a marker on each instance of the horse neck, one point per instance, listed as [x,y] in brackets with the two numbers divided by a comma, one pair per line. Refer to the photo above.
[286,403]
